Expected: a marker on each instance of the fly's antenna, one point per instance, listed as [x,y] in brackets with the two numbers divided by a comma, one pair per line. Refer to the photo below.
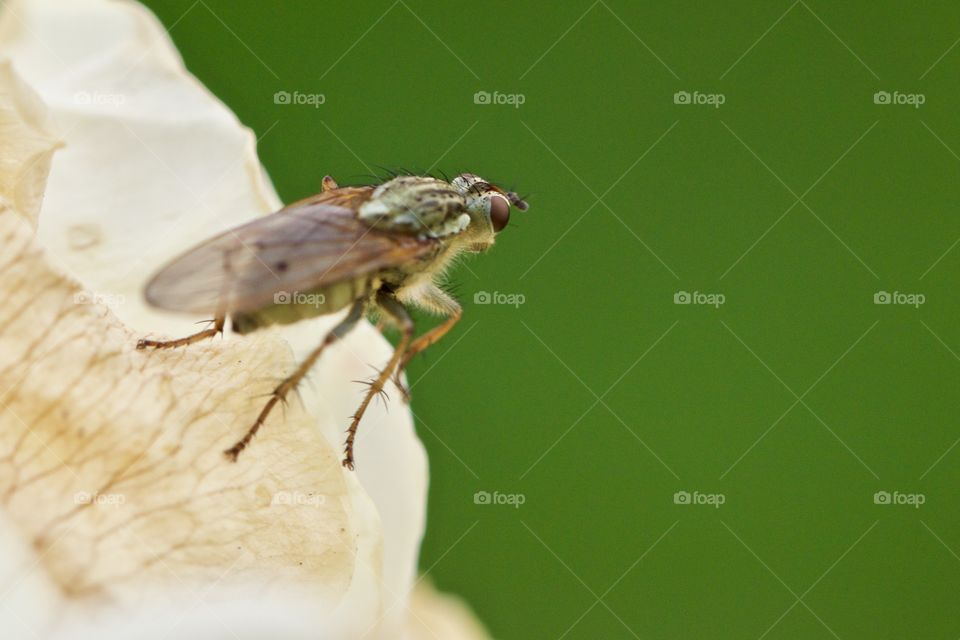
[517,201]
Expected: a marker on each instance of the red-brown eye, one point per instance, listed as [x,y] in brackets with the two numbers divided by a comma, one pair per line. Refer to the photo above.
[499,213]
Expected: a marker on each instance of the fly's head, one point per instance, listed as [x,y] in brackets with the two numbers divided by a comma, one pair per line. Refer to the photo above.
[488,207]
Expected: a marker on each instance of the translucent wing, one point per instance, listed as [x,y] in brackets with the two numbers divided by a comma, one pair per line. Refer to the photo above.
[349,197]
[302,247]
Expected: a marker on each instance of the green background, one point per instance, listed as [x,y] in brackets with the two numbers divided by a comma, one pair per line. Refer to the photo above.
[598,398]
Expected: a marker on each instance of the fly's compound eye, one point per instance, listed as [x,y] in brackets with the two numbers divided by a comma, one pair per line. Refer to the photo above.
[499,213]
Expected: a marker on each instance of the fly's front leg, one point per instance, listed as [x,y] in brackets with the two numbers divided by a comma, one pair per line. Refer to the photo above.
[217,328]
[280,393]
[391,307]
[436,300]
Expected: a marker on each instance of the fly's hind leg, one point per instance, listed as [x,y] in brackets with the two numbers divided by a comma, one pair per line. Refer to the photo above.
[440,302]
[289,384]
[398,314]
[217,328]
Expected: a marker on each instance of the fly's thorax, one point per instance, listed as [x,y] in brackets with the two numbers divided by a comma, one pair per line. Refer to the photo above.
[430,266]
[416,205]
[426,274]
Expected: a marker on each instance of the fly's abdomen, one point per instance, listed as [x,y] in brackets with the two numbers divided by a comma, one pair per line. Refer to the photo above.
[292,306]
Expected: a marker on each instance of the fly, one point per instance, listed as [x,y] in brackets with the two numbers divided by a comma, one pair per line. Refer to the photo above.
[378,248]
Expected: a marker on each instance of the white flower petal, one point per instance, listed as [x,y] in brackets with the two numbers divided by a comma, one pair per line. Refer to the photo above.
[154,163]
[26,144]
[111,458]
[181,167]
[436,615]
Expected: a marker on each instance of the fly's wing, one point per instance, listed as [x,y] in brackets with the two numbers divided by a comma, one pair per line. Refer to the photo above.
[349,197]
[298,248]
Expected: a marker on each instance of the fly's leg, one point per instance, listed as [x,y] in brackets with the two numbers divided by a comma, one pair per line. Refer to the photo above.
[280,393]
[428,339]
[438,301]
[328,184]
[398,314]
[217,328]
